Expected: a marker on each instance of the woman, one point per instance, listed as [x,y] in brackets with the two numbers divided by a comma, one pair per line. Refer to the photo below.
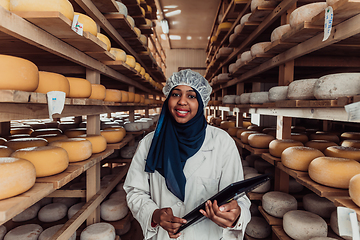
[182,164]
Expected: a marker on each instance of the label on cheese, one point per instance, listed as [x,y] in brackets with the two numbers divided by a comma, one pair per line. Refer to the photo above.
[353,111]
[56,102]
[76,26]
[328,22]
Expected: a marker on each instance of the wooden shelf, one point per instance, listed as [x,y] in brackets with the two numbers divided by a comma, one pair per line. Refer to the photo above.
[295,174]
[347,202]
[255,196]
[243,32]
[279,232]
[106,6]
[249,148]
[301,33]
[270,159]
[120,23]
[278,46]
[273,221]
[259,14]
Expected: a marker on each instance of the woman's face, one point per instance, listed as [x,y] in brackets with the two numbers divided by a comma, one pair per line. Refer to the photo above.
[182,103]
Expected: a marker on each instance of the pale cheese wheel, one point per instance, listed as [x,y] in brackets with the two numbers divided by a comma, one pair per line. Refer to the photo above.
[246,56]
[259,48]
[122,8]
[229,99]
[278,93]
[299,224]
[49,81]
[232,67]
[137,67]
[62,6]
[299,157]
[126,228]
[277,146]
[233,131]
[2,227]
[78,149]
[19,143]
[238,62]
[5,4]
[262,188]
[74,132]
[18,74]
[350,136]
[238,100]
[49,232]
[325,136]
[120,55]
[351,143]
[322,238]
[225,51]
[24,232]
[224,77]
[143,39]
[260,140]
[98,91]
[333,172]
[320,144]
[318,205]
[245,98]
[112,95]
[137,31]
[113,209]
[262,3]
[52,212]
[133,126]
[245,18]
[89,25]
[245,136]
[128,152]
[278,203]
[74,209]
[96,231]
[68,201]
[113,135]
[130,60]
[278,32]
[302,89]
[48,160]
[306,13]
[5,151]
[119,195]
[343,152]
[232,37]
[131,21]
[98,142]
[28,214]
[79,88]
[259,97]
[105,40]
[258,228]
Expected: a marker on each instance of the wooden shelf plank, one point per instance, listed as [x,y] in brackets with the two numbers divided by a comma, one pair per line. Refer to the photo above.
[347,202]
[259,14]
[146,29]
[139,19]
[243,33]
[120,23]
[278,46]
[102,56]
[136,44]
[255,196]
[295,174]
[301,33]
[123,142]
[239,5]
[273,221]
[270,159]
[106,6]
[279,232]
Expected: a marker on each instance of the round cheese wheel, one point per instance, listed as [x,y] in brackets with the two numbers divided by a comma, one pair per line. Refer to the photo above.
[225,51]
[18,136]
[44,131]
[300,137]
[245,98]
[333,172]
[128,151]
[105,40]
[5,4]
[44,201]
[299,224]
[259,48]
[318,205]
[320,144]
[75,132]
[21,130]
[232,67]
[278,93]
[52,212]
[229,99]
[354,189]
[278,32]
[240,131]
[142,71]
[131,97]
[24,232]
[262,3]
[351,143]
[245,136]
[98,91]
[48,160]
[119,195]
[49,232]
[74,209]
[245,18]
[113,135]
[260,140]
[113,209]
[103,231]
[299,157]
[233,131]
[278,203]
[49,81]
[131,21]
[259,97]
[130,60]
[113,95]
[337,85]
[119,54]
[343,152]
[143,39]
[225,26]
[238,100]
[68,201]
[246,56]
[19,143]
[277,146]
[133,126]
[350,136]
[137,98]
[325,136]
[249,170]
[126,228]
[122,8]
[302,89]
[137,67]
[18,74]
[224,77]
[78,149]
[149,23]
[5,151]
[89,24]
[226,124]
[258,227]
[63,6]
[2,227]
[124,96]
[98,142]
[306,13]
[28,213]
[147,76]
[79,88]
[262,188]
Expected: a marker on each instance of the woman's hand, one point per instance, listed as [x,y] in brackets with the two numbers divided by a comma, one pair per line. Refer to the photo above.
[225,215]
[165,218]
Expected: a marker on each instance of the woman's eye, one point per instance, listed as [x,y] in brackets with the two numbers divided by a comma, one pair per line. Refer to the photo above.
[192,96]
[175,95]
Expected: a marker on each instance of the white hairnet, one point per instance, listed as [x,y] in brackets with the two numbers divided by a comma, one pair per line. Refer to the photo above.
[191,79]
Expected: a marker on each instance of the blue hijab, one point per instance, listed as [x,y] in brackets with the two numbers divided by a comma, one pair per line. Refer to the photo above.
[174,143]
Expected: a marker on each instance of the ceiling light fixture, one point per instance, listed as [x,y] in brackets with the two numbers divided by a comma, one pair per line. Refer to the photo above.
[173,13]
[175,37]
[188,38]
[164,26]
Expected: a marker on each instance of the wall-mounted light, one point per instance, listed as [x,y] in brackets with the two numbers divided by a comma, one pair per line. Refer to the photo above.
[164,26]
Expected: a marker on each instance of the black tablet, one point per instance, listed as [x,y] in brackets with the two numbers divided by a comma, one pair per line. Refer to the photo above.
[233,191]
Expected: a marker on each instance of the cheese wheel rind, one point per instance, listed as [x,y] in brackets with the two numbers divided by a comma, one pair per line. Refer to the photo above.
[318,205]
[306,13]
[258,228]
[98,91]
[260,140]
[119,54]
[28,214]
[302,89]
[277,146]
[103,231]
[354,189]
[278,32]
[79,88]
[49,232]
[278,203]
[299,157]
[112,95]
[278,93]
[105,40]
[52,212]
[319,144]
[113,209]
[343,152]
[78,149]
[89,24]
[22,232]
[98,142]
[49,81]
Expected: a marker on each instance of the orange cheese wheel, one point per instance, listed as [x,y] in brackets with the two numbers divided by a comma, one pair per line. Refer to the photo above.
[74,132]
[333,172]
[105,40]
[277,146]
[255,128]
[119,54]
[48,160]
[227,124]
[79,88]
[130,60]
[147,76]
[131,97]
[98,142]
[2,141]
[233,130]
[239,132]
[21,130]
[142,71]
[137,67]
[350,135]
[351,143]
[52,137]
[19,143]
[300,137]
[299,158]
[320,144]
[16,176]
[142,99]
[5,4]
[354,189]
[325,136]
[49,81]
[260,140]
[18,136]
[245,135]
[18,74]
[89,24]
[43,131]
[270,131]
[78,149]
[137,98]
[124,96]
[343,152]
[5,151]
[113,95]
[98,91]
[113,135]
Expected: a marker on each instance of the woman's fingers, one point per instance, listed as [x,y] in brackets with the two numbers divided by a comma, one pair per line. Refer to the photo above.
[224,215]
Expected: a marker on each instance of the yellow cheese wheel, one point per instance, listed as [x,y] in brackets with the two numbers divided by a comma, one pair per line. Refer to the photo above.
[245,123]
[79,88]
[49,81]
[131,97]
[320,144]
[142,99]
[325,136]
[240,131]
[233,130]
[18,136]
[245,136]
[130,60]
[89,24]
[16,176]
[119,54]
[270,131]
[333,172]
[137,98]
[21,130]
[98,142]
[300,137]
[137,67]
[63,6]
[52,137]
[113,95]
[48,160]
[5,4]
[277,146]
[299,158]
[227,124]
[98,91]
[213,39]
[142,71]
[113,135]
[225,26]
[147,76]
[43,131]
[105,40]
[124,96]
[343,152]
[142,11]
[260,140]
[143,39]
[149,9]
[5,151]
[2,141]
[354,189]
[18,74]
[131,21]
[78,149]
[255,128]
[351,143]
[350,135]
[116,128]
[74,132]
[19,143]
[137,31]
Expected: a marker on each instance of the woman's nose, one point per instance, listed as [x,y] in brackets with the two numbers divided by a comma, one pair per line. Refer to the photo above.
[182,100]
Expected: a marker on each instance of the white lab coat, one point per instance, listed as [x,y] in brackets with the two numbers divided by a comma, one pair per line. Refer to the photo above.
[212,168]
